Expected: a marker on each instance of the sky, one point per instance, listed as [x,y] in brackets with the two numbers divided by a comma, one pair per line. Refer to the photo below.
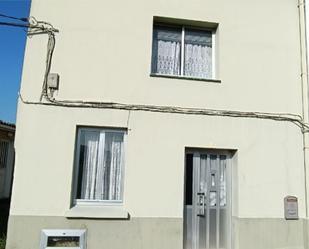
[12,45]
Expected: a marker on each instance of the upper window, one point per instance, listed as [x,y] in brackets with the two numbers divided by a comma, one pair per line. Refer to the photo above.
[99,162]
[183,51]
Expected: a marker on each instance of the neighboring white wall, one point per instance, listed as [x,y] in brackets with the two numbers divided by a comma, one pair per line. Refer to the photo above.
[2,179]
[6,173]
[9,171]
[103,53]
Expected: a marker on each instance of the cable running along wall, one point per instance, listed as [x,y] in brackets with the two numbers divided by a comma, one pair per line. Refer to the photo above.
[40,27]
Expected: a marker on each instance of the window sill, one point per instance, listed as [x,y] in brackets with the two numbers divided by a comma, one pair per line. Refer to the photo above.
[184,77]
[97,212]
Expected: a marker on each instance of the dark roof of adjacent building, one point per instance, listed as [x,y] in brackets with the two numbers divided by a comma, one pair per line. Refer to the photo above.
[6,124]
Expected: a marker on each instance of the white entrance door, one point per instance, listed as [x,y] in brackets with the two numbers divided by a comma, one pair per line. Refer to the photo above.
[207,210]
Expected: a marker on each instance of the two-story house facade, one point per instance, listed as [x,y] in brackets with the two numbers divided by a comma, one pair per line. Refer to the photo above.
[162,124]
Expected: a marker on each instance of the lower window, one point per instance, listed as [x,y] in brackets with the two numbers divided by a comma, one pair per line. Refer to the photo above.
[62,238]
[99,163]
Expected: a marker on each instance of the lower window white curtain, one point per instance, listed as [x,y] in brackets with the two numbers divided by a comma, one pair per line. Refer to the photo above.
[166,51]
[198,54]
[102,164]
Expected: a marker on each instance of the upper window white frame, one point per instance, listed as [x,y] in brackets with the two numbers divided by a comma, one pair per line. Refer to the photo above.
[81,201]
[182,51]
[46,233]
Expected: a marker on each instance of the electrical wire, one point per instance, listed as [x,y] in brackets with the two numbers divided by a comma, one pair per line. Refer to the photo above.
[34,26]
[23,19]
[50,49]
[14,24]
[40,27]
[173,109]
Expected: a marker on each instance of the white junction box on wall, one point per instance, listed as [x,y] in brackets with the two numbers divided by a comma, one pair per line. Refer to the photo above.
[53,80]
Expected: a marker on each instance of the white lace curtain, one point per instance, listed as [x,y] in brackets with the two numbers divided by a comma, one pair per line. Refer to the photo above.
[101,165]
[198,54]
[166,51]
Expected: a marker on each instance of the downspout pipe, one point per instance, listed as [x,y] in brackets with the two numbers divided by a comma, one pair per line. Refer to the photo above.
[304,85]
[303,35]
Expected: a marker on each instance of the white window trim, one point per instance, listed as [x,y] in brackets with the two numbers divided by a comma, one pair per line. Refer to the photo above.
[84,202]
[182,55]
[45,233]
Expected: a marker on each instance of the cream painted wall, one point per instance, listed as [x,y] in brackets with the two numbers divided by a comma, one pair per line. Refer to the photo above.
[103,52]
[265,172]
[154,233]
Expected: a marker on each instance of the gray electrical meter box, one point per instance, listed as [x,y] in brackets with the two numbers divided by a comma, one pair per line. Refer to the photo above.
[53,81]
[291,208]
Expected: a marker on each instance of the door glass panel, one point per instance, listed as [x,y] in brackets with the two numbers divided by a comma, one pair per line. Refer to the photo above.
[223,228]
[212,228]
[188,222]
[222,181]
[213,180]
[213,162]
[202,174]
[213,198]
[202,231]
[188,227]
[189,178]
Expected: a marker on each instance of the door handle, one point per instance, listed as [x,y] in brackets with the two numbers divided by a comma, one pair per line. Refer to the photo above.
[201,204]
